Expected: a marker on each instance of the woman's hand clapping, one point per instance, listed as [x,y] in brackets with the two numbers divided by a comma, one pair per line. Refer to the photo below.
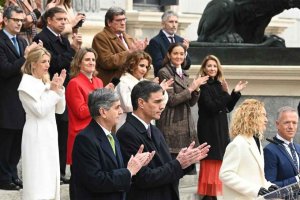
[197,82]
[58,80]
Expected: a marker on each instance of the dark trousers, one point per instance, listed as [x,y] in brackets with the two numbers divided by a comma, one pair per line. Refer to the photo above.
[62,128]
[10,153]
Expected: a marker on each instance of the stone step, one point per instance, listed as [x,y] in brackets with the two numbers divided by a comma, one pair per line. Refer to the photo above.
[187,190]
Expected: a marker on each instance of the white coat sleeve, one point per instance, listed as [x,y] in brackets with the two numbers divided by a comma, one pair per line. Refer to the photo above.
[61,104]
[42,106]
[124,92]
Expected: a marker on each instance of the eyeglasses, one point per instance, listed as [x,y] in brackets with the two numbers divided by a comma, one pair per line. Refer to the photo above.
[17,20]
[121,20]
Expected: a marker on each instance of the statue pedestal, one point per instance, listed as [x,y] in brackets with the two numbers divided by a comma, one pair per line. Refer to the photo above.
[245,54]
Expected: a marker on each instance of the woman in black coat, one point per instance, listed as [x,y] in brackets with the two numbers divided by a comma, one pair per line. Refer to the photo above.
[214,104]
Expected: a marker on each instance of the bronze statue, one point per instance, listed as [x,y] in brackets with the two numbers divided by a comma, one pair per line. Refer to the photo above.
[241,21]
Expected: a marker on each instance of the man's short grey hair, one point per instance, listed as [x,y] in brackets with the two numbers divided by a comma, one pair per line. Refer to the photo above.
[8,11]
[101,98]
[167,14]
[285,109]
[111,13]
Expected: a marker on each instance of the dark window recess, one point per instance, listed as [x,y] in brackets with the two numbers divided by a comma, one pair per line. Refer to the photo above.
[147,5]
[152,5]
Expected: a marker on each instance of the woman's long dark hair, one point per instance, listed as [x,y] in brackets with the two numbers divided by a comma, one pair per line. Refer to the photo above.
[171,47]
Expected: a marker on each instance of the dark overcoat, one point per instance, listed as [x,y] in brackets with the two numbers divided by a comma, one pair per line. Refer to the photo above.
[213,105]
[12,115]
[159,179]
[97,173]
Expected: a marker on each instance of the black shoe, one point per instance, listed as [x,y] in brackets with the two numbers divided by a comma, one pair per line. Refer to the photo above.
[9,186]
[18,182]
[64,180]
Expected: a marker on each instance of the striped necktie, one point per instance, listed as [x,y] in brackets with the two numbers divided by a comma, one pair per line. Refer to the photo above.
[294,156]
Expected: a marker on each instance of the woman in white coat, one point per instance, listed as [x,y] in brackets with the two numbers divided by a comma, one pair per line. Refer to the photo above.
[41,99]
[242,170]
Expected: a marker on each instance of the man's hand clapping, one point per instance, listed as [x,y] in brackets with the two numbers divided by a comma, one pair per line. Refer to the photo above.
[190,155]
[140,160]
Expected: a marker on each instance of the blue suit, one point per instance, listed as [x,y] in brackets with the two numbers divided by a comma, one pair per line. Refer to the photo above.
[158,48]
[279,167]
[97,173]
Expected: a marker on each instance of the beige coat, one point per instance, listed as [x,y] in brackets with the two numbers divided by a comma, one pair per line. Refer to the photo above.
[242,170]
[176,121]
[112,54]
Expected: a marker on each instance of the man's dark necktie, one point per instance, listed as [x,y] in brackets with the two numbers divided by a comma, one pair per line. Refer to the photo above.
[172,39]
[59,39]
[149,131]
[15,42]
[294,156]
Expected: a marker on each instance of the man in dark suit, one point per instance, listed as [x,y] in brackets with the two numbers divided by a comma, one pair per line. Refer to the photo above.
[13,53]
[158,180]
[282,154]
[98,171]
[62,53]
[159,45]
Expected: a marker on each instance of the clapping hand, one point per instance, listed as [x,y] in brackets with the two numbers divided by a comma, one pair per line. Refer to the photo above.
[186,43]
[33,45]
[190,155]
[149,155]
[166,84]
[138,45]
[140,159]
[197,82]
[58,80]
[240,86]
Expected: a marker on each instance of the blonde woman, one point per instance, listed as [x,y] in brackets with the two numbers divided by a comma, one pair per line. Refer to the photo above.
[214,103]
[242,170]
[41,99]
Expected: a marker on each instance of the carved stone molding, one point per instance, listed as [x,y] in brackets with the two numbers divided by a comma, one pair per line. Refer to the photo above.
[264,80]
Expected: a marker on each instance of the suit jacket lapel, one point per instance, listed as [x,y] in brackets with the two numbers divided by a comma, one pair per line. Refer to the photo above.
[285,153]
[256,154]
[105,145]
[21,46]
[10,44]
[164,39]
[155,143]
[113,37]
[118,152]
[177,79]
